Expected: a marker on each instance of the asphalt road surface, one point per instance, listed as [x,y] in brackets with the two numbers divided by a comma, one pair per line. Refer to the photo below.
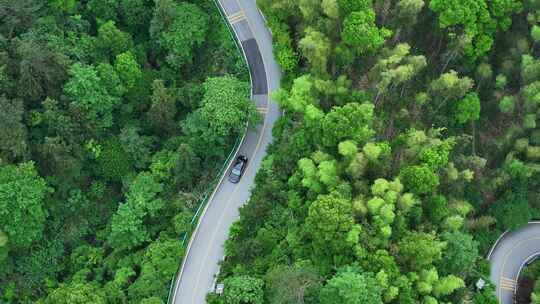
[205,248]
[513,250]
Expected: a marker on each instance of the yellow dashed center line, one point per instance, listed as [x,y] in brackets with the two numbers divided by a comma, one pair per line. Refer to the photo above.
[236,17]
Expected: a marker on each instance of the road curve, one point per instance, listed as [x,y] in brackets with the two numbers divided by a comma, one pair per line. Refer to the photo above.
[205,248]
[508,256]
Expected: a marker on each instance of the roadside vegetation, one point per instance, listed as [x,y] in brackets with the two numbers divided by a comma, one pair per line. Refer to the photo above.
[410,142]
[529,284]
[111,129]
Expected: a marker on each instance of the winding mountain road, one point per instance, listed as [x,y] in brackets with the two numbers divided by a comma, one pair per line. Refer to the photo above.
[508,257]
[205,248]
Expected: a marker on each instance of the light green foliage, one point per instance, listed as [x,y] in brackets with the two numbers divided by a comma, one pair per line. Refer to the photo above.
[357,166]
[454,222]
[407,201]
[530,70]
[449,86]
[507,104]
[22,211]
[110,80]
[350,286]
[361,33]
[315,48]
[375,204]
[468,109]
[127,225]
[79,293]
[426,280]
[89,95]
[396,67]
[111,40]
[436,156]
[309,172]
[479,20]
[226,107]
[285,54]
[352,121]
[330,8]
[309,9]
[448,285]
[419,249]
[372,151]
[328,174]
[379,187]
[420,179]
[348,6]
[529,121]
[501,81]
[503,10]
[329,219]
[300,96]
[128,69]
[348,148]
[535,33]
[243,289]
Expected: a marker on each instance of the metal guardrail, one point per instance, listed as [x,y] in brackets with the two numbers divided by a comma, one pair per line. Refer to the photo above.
[203,201]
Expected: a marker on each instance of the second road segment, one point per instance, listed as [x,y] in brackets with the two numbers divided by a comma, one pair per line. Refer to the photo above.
[205,248]
[508,257]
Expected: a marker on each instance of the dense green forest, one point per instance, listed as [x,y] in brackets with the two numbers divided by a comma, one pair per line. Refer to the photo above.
[409,144]
[111,128]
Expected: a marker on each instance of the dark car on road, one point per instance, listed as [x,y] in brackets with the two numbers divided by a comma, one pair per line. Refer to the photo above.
[238,169]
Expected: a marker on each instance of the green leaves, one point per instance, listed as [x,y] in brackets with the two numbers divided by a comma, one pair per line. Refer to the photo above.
[243,289]
[420,179]
[127,225]
[350,286]
[159,263]
[468,109]
[316,49]
[360,32]
[329,219]
[183,28]
[419,249]
[90,97]
[479,19]
[460,254]
[128,69]
[226,107]
[75,292]
[13,132]
[111,41]
[352,121]
[22,211]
